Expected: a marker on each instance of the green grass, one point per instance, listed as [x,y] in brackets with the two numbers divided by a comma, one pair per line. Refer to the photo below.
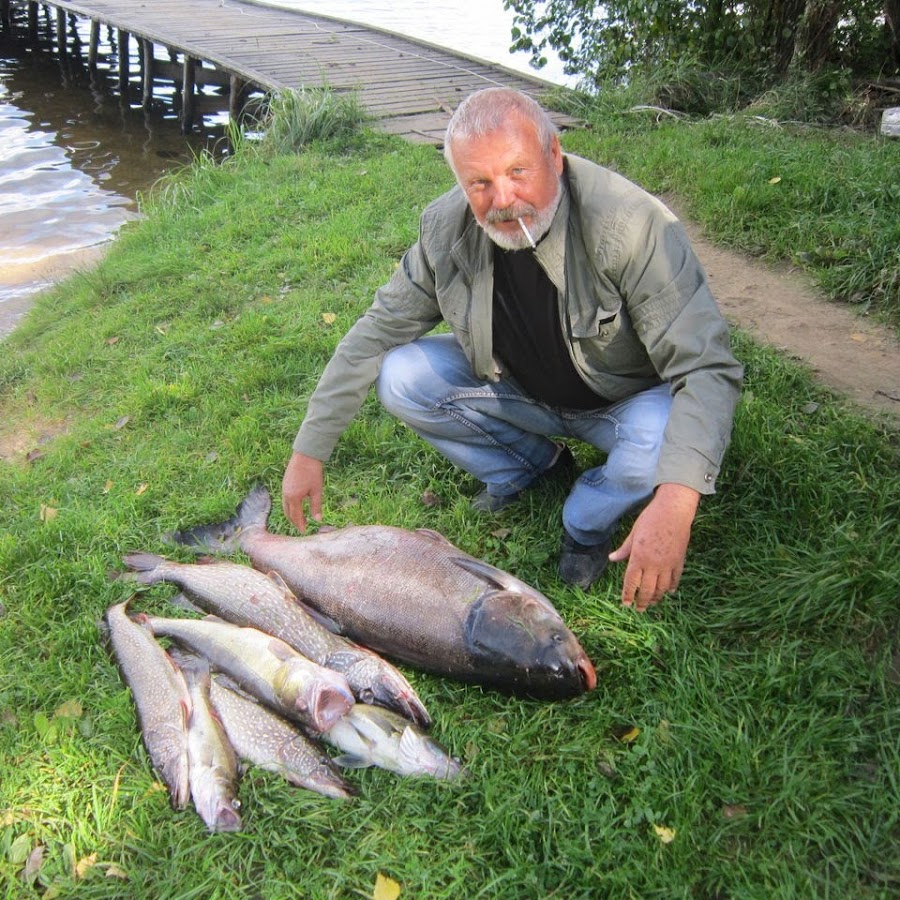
[173,377]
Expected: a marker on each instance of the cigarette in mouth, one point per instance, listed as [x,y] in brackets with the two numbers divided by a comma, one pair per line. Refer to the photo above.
[527,233]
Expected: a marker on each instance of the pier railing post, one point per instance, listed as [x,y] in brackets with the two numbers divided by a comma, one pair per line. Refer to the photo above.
[187,95]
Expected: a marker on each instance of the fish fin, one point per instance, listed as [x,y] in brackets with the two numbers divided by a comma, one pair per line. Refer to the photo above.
[225,537]
[142,562]
[433,535]
[325,621]
[281,650]
[497,577]
[349,761]
[182,601]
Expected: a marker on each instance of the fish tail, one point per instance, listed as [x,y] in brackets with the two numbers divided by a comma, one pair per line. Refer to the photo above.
[225,537]
[143,566]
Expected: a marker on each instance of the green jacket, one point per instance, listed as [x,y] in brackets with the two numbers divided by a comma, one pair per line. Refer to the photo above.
[634,303]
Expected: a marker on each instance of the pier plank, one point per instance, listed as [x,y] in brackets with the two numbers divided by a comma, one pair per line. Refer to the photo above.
[409,87]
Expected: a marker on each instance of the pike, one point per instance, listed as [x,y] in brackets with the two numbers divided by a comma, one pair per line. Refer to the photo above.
[161,697]
[266,739]
[265,666]
[415,597]
[245,596]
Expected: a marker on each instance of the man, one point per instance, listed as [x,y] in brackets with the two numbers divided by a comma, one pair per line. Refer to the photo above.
[577,309]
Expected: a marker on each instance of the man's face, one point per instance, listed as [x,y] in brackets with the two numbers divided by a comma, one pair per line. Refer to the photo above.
[507,176]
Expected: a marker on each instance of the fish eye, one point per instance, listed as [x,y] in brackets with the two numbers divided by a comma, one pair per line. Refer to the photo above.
[557,637]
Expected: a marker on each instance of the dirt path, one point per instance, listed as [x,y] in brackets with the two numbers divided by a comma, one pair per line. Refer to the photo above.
[855,357]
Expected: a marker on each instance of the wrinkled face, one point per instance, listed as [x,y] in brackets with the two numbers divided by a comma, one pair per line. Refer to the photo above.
[508,175]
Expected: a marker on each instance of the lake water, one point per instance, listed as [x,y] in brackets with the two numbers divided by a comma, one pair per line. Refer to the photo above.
[73,157]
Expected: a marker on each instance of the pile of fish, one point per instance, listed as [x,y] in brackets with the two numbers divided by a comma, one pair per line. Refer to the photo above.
[414,597]
[289,651]
[258,681]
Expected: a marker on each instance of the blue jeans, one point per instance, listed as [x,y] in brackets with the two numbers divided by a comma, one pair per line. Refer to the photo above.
[500,435]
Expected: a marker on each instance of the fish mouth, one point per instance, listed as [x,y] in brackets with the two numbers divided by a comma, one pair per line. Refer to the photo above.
[328,707]
[587,672]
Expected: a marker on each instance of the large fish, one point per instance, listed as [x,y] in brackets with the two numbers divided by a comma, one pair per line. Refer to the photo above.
[270,741]
[265,666]
[415,597]
[245,596]
[213,763]
[161,697]
[369,736]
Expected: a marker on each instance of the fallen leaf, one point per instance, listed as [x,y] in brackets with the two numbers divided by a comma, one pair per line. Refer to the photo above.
[48,513]
[34,455]
[71,709]
[112,340]
[666,835]
[385,888]
[85,864]
[429,498]
[501,534]
[113,871]
[108,486]
[212,456]
[19,850]
[859,338]
[775,179]
[736,811]
[33,864]
[121,422]
[630,736]
[329,318]
[141,488]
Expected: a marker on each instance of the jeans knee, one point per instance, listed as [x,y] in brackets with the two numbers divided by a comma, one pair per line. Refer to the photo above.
[397,379]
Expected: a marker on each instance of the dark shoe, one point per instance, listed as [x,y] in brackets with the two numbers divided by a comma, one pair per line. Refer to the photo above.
[564,464]
[582,564]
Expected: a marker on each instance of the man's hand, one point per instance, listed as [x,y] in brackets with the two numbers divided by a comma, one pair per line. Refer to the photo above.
[656,546]
[303,478]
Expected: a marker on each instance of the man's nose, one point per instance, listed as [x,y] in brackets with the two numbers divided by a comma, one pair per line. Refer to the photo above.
[504,193]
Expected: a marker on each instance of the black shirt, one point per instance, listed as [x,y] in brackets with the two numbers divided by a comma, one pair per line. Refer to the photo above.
[527,334]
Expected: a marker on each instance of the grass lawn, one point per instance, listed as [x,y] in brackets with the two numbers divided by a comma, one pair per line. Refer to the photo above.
[742,742]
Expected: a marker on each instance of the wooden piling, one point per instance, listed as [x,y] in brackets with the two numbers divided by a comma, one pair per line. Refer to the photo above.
[187,94]
[122,38]
[148,73]
[32,22]
[93,45]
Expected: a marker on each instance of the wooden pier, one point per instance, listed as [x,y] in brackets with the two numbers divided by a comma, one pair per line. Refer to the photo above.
[409,87]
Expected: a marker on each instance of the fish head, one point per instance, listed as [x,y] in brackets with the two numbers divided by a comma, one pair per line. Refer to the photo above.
[420,754]
[214,799]
[319,700]
[521,643]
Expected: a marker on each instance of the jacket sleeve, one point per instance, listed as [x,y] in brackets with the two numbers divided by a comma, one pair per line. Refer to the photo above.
[403,310]
[679,322]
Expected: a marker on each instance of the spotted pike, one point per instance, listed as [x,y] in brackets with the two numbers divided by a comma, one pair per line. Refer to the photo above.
[369,736]
[161,697]
[415,597]
[265,666]
[245,596]
[270,741]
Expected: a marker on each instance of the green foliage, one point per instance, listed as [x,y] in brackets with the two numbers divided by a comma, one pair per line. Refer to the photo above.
[759,43]
[751,718]
[296,118]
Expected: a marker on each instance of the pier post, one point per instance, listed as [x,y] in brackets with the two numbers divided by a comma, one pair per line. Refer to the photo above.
[147,61]
[187,95]
[61,33]
[5,16]
[122,43]
[93,45]
[237,98]
[32,21]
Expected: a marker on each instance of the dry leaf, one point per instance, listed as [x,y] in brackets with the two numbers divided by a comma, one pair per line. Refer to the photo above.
[108,486]
[141,488]
[859,338]
[630,736]
[666,835]
[112,340]
[113,871]
[736,811]
[775,180]
[48,513]
[84,865]
[329,318]
[501,534]
[71,709]
[429,498]
[33,864]
[121,422]
[34,455]
[385,888]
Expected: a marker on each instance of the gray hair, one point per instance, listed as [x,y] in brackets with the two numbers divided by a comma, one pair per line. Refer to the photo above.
[488,110]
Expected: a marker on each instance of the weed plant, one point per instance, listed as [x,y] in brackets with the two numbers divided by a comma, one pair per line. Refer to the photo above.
[743,739]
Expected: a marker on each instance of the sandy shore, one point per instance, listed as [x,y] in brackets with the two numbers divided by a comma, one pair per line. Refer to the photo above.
[41,275]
